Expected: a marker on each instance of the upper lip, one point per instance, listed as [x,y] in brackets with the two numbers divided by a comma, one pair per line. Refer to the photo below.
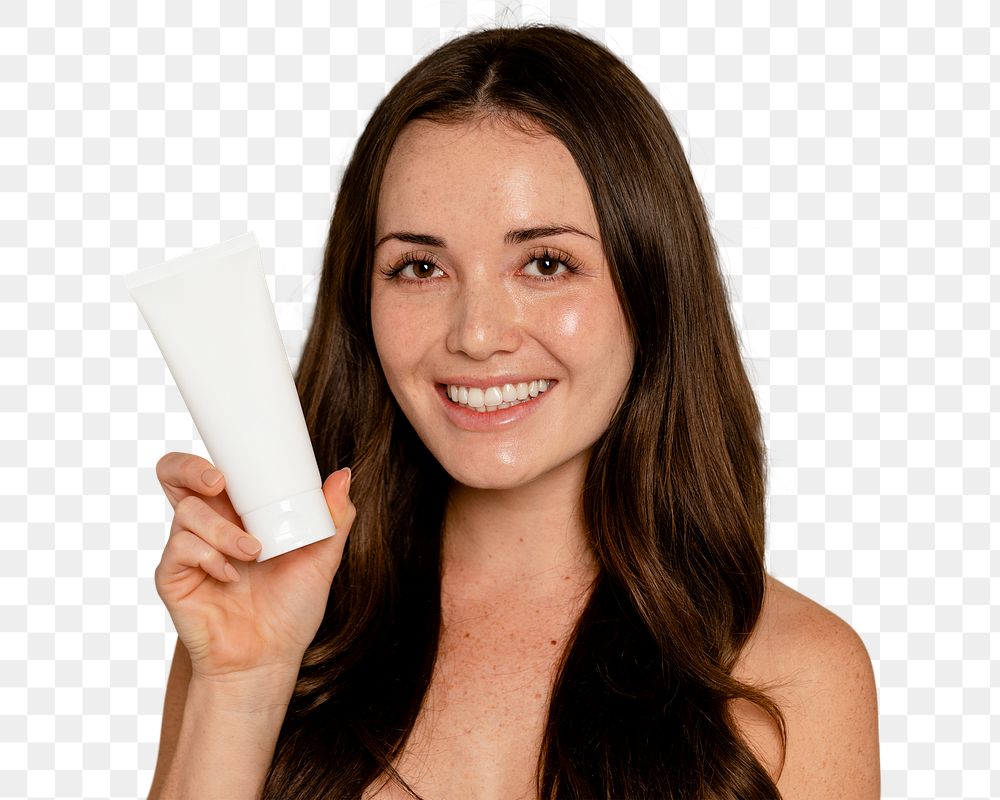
[498,380]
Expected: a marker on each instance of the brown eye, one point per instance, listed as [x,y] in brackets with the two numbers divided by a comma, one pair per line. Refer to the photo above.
[419,269]
[548,266]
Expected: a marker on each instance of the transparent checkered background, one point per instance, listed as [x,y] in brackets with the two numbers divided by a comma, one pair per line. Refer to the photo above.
[846,152]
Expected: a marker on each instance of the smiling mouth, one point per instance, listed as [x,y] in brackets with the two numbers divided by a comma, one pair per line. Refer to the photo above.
[496,398]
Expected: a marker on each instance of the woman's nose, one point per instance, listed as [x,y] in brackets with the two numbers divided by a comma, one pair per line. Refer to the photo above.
[485,318]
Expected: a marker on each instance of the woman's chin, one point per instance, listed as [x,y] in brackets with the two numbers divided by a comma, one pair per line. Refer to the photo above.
[510,467]
[495,482]
[497,476]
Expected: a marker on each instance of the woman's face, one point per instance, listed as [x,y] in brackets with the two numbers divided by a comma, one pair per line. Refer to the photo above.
[485,222]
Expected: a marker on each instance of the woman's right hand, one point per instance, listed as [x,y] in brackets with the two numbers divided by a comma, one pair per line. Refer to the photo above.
[261,623]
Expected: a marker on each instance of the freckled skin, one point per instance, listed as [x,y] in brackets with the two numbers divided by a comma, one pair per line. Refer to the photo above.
[484,311]
[568,324]
[508,606]
[510,590]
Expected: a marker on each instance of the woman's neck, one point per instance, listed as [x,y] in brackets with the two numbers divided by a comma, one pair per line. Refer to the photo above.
[526,541]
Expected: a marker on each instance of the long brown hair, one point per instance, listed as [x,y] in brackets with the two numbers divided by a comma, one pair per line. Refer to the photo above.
[674,491]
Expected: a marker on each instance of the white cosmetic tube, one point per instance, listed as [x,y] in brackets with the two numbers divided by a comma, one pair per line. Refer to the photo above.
[212,317]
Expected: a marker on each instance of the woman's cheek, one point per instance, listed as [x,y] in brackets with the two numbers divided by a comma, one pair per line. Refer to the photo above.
[567,322]
[563,317]
[396,319]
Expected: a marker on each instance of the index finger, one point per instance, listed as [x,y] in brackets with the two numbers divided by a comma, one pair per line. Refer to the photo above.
[185,471]
[182,474]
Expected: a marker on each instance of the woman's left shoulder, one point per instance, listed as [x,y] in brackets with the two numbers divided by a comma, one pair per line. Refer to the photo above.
[805,633]
[822,680]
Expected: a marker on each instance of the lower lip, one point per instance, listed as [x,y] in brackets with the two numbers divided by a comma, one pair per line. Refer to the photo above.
[467,419]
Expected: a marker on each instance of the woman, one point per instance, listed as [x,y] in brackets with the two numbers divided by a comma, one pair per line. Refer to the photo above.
[565,597]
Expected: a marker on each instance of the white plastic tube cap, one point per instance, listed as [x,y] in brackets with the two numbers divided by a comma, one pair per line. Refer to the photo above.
[290,523]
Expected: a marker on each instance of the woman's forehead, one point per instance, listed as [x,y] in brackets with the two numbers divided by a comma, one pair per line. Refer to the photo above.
[455,172]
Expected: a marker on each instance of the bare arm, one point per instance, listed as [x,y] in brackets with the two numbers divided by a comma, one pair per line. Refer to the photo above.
[833,745]
[242,628]
[222,742]
[173,711]
[823,682]
[216,741]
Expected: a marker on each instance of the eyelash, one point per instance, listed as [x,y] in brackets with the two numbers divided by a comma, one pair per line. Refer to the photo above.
[572,267]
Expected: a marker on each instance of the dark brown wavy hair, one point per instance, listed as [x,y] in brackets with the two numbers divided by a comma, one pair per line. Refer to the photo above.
[674,492]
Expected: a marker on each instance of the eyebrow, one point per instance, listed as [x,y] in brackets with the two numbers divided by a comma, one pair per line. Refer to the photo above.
[518,236]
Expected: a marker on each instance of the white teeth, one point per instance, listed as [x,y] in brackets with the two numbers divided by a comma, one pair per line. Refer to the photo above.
[496,397]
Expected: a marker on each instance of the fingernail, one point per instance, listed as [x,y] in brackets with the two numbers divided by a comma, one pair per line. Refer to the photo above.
[248,545]
[347,487]
[211,476]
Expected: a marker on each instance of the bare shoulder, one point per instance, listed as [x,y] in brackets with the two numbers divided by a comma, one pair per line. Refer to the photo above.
[817,669]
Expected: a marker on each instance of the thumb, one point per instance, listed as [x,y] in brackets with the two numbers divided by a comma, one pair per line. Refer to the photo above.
[335,490]
[330,550]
